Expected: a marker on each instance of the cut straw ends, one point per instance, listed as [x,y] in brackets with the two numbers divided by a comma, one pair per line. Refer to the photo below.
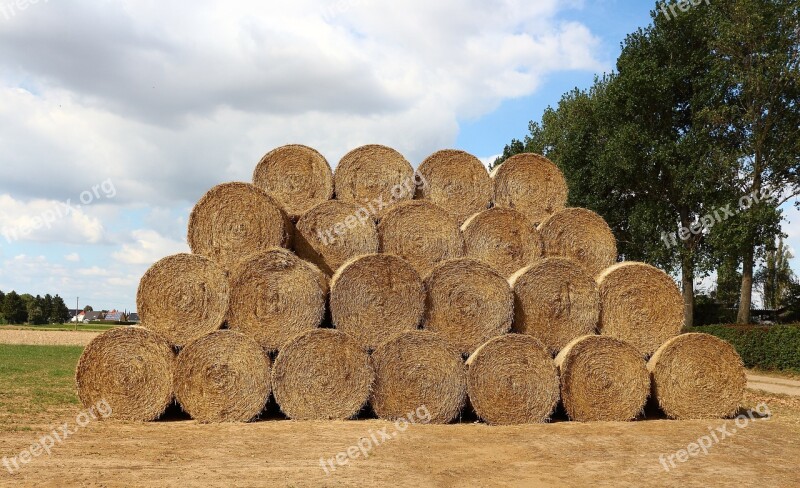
[183,297]
[126,373]
[417,369]
[297,176]
[512,380]
[698,376]
[467,303]
[530,183]
[322,374]
[602,379]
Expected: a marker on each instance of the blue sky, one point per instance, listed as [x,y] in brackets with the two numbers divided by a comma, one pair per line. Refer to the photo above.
[159,102]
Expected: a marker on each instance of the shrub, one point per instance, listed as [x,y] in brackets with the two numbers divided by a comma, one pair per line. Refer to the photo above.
[765,347]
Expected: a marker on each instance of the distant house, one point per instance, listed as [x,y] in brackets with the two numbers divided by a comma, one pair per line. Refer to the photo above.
[114,316]
[77,318]
[91,317]
[134,317]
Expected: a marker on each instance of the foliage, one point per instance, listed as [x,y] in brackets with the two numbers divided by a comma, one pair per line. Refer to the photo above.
[768,347]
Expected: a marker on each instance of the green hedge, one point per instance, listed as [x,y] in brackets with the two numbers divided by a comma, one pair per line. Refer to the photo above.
[765,347]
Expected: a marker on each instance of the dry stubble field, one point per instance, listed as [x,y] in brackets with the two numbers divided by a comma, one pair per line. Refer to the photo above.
[277,452]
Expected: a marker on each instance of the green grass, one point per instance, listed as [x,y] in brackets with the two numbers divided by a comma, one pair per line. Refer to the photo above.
[61,327]
[34,378]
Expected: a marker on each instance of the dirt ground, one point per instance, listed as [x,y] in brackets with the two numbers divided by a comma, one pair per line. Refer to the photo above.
[772,384]
[282,453]
[46,337]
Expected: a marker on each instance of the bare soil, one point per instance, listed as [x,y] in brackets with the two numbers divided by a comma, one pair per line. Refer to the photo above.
[183,453]
[46,337]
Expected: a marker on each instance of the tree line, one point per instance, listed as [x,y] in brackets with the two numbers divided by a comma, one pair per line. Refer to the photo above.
[691,146]
[26,308]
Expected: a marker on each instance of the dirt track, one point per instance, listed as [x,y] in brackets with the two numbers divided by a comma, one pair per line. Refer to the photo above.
[772,384]
[285,453]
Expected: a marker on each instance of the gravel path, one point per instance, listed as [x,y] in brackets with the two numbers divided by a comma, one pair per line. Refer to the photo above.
[773,385]
[46,337]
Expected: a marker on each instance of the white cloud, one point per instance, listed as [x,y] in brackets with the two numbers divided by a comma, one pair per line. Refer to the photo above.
[148,247]
[46,221]
[170,100]
[72,257]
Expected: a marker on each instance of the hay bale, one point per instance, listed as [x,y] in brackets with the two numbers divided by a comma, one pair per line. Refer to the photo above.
[223,377]
[376,178]
[183,297]
[467,303]
[512,380]
[234,220]
[129,368]
[456,181]
[322,374]
[555,301]
[639,304]
[503,238]
[582,235]
[334,232]
[531,184]
[697,376]
[418,368]
[422,233]
[602,379]
[274,296]
[297,176]
[376,296]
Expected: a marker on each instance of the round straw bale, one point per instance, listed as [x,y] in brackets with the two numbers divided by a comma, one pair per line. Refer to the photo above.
[456,181]
[512,380]
[297,176]
[322,374]
[503,238]
[639,304]
[223,377]
[183,297]
[274,296]
[128,372]
[233,220]
[422,233]
[418,368]
[555,301]
[374,177]
[531,184]
[376,296]
[467,303]
[582,235]
[697,376]
[602,379]
[333,232]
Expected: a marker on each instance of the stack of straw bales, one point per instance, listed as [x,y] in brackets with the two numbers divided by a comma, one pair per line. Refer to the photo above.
[380,289]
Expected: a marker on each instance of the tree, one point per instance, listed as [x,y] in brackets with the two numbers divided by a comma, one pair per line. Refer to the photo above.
[2,299]
[756,75]
[14,308]
[88,308]
[776,276]
[35,308]
[636,148]
[60,312]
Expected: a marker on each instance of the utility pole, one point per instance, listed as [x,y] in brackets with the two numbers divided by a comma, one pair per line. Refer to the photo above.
[76,312]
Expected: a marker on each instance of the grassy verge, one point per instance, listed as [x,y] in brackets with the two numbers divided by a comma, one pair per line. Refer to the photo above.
[35,382]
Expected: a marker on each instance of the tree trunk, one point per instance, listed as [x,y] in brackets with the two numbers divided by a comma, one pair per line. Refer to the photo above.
[746,295]
[687,285]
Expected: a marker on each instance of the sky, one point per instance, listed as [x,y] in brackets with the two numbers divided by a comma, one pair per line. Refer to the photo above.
[117,116]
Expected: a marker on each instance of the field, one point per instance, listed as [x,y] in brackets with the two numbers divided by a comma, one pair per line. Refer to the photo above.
[37,396]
